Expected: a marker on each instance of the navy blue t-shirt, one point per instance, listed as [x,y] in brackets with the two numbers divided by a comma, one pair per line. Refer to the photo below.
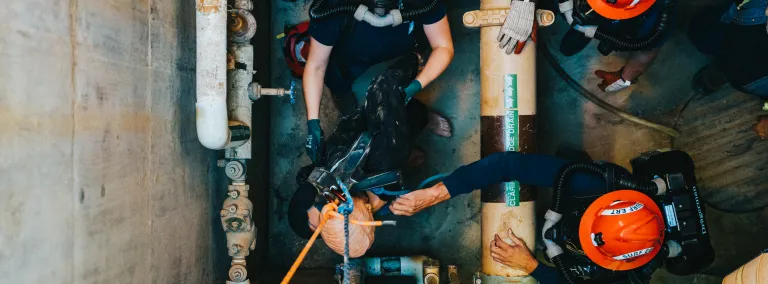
[366,45]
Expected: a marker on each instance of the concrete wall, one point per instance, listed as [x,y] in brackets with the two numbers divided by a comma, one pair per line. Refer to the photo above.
[101,175]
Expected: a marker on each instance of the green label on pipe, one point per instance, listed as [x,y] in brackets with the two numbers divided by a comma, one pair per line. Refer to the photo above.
[512,136]
[510,91]
[512,139]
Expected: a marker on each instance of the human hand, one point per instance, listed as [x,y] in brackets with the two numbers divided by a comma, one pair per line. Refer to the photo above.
[515,255]
[612,81]
[314,143]
[519,24]
[417,200]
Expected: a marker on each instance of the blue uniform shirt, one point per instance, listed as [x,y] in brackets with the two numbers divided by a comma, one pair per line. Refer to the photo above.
[530,169]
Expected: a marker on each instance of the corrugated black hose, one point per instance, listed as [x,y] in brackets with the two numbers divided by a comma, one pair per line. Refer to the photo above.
[621,182]
[316,12]
[565,272]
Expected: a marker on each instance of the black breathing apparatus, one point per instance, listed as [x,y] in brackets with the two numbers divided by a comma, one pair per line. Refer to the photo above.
[382,7]
[687,248]
[396,10]
[584,15]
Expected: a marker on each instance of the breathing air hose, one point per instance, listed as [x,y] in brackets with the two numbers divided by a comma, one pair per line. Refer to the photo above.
[625,44]
[410,13]
[622,182]
[596,100]
[318,12]
[564,271]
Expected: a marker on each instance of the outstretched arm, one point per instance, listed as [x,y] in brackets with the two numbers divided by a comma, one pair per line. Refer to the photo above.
[528,169]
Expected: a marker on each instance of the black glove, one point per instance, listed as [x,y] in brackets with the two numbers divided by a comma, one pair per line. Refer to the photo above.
[314,143]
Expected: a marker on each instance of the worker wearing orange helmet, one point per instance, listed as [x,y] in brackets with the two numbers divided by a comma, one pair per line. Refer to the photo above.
[622,233]
[639,26]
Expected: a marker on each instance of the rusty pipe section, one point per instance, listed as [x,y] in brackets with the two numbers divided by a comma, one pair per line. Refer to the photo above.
[214,129]
[224,112]
[508,116]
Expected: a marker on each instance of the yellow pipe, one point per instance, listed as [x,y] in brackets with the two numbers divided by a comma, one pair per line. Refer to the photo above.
[508,111]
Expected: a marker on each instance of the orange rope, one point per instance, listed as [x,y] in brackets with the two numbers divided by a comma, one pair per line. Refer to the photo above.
[329,210]
[330,207]
[356,222]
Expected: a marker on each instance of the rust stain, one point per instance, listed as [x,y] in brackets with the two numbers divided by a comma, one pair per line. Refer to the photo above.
[208,6]
[510,219]
[230,62]
[61,125]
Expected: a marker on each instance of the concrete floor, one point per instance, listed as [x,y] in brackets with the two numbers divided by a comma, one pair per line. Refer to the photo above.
[450,231]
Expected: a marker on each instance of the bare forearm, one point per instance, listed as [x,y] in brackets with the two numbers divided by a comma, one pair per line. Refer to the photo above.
[436,64]
[313,90]
[638,63]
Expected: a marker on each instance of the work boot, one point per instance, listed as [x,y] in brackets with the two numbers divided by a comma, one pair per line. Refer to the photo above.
[708,80]
[573,42]
[439,125]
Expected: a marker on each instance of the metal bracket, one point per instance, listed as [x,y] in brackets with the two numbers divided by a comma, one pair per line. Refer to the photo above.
[331,182]
[495,17]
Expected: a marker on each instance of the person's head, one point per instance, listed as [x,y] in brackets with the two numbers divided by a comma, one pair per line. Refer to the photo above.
[360,237]
[304,217]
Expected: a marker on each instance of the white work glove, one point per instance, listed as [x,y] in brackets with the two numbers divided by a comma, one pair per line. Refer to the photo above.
[518,25]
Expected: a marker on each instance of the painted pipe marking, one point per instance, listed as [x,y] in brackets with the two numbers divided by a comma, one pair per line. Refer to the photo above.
[512,134]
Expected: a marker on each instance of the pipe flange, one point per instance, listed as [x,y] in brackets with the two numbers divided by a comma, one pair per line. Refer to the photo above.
[431,279]
[238,273]
[235,170]
[242,26]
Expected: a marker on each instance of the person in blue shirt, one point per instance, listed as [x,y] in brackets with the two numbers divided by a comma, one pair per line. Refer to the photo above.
[341,49]
[735,34]
[528,169]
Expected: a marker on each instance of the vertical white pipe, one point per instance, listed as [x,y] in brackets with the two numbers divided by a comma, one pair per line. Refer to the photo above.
[211,74]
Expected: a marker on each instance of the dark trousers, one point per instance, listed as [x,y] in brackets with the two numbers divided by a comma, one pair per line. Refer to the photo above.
[739,51]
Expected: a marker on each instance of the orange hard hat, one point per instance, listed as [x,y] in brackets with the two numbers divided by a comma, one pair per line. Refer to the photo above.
[620,9]
[622,230]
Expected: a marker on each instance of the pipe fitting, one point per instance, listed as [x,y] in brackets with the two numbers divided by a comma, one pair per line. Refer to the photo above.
[238,273]
[255,92]
[235,170]
[242,26]
[394,17]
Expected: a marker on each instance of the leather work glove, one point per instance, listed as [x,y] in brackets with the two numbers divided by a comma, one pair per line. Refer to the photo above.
[519,24]
[412,90]
[612,81]
[314,143]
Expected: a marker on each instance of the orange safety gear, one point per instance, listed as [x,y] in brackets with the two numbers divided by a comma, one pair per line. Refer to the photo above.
[620,9]
[622,230]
